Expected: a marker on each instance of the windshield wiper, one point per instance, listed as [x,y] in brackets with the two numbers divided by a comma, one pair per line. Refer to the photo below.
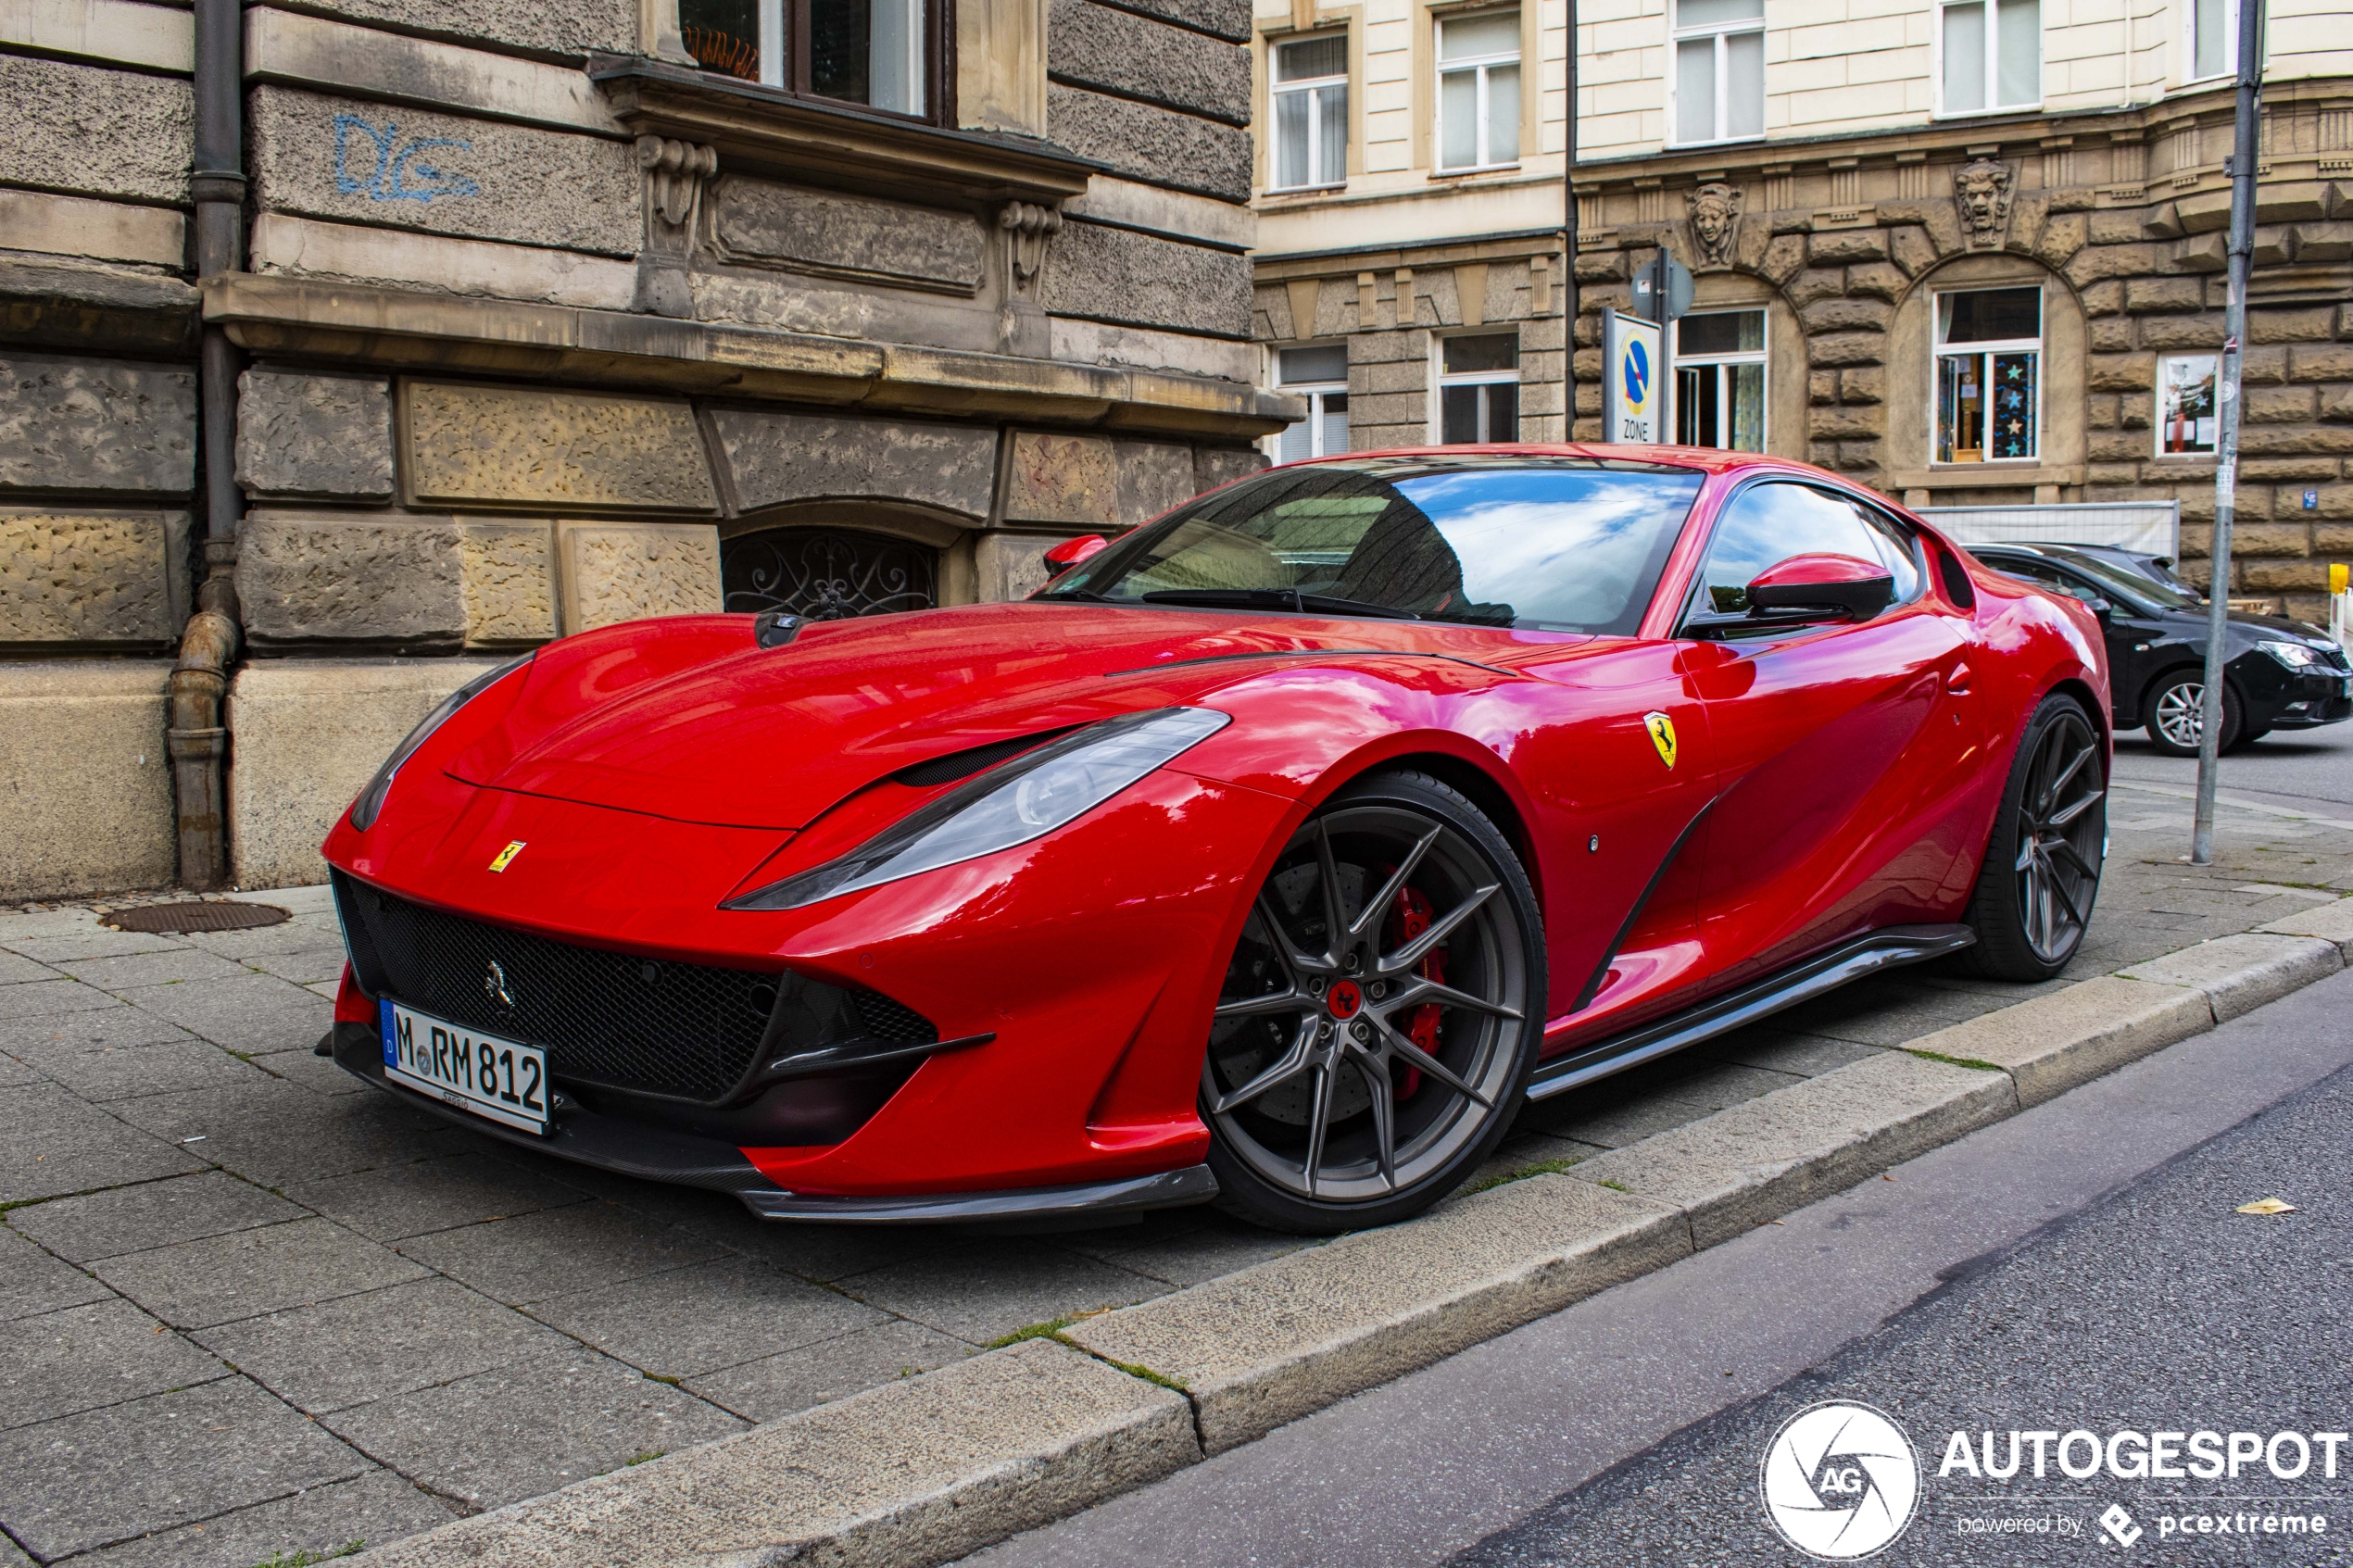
[1273,599]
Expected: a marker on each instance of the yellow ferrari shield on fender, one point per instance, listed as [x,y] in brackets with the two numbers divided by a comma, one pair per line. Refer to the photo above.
[1662,731]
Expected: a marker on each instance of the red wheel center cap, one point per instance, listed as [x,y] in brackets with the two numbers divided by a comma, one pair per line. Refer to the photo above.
[1344,1000]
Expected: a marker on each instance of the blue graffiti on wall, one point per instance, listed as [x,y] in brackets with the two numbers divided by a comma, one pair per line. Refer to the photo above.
[398,173]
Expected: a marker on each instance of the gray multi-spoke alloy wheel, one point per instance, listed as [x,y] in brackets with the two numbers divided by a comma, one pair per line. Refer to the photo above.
[1381,1015]
[2042,863]
[2176,709]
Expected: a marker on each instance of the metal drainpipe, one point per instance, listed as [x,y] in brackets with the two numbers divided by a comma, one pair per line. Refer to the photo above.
[197,741]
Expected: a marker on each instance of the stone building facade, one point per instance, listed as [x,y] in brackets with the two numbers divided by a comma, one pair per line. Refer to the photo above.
[504,322]
[1859,198]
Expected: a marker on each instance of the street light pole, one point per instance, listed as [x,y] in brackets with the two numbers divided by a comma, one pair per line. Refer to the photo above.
[2226,446]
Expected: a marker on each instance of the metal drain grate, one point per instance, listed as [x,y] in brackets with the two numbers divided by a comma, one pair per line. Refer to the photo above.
[214,914]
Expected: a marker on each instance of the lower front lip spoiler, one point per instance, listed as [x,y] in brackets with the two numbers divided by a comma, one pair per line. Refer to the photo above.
[1170,1190]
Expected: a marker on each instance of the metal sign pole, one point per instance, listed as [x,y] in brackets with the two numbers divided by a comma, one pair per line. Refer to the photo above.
[2226,445]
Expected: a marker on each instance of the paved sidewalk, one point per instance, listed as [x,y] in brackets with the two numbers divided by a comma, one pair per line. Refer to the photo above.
[248,1305]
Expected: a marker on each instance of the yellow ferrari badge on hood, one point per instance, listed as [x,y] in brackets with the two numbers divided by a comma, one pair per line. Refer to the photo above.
[1662,731]
[499,862]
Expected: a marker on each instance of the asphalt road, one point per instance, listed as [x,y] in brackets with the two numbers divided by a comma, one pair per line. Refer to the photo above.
[2051,1273]
[2286,765]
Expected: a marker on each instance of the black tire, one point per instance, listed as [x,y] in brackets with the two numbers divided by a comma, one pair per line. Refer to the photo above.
[1326,1111]
[2043,862]
[2175,718]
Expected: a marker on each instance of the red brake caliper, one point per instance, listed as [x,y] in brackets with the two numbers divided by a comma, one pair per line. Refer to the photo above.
[1412,919]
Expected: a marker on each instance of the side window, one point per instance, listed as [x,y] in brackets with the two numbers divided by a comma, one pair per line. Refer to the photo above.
[1900,550]
[2044,575]
[1766,524]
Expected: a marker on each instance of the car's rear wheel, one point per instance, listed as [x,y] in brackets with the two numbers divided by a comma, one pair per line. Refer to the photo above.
[2042,871]
[2176,707]
[1381,1012]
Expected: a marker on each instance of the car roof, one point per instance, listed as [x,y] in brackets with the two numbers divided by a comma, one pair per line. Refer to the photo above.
[1707,460]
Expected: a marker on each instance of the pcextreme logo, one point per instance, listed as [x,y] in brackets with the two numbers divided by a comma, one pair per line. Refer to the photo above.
[1840,1481]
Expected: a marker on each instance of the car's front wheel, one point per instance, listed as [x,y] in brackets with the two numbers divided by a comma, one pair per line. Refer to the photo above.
[2043,862]
[2176,707]
[1381,1015]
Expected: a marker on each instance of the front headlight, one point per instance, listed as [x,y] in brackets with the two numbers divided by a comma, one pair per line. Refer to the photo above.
[2295,656]
[1027,797]
[372,799]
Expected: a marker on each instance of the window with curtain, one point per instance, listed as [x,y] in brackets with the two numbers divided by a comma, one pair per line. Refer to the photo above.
[1993,55]
[1478,91]
[1311,112]
[2210,30]
[1719,381]
[1320,375]
[875,53]
[1719,70]
[1479,389]
[1989,375]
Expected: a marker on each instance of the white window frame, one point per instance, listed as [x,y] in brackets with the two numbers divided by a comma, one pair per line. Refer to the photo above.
[1719,362]
[2213,362]
[1313,88]
[1470,378]
[1481,65]
[1983,352]
[1719,32]
[1992,63]
[1315,392]
[2189,43]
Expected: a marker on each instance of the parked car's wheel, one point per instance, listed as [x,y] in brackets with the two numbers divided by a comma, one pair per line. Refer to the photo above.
[2176,707]
[1381,1012]
[2043,862]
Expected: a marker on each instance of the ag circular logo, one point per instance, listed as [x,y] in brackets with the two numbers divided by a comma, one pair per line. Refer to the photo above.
[1635,365]
[1840,1481]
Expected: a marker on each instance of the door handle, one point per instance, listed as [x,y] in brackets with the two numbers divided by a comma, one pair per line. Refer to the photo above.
[1957,680]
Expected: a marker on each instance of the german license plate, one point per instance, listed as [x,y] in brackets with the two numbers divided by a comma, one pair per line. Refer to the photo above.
[501,1079]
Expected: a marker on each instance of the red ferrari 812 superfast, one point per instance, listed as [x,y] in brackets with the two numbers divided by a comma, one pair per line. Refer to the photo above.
[1275,854]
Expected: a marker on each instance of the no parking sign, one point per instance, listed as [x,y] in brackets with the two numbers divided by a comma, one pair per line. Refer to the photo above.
[1630,400]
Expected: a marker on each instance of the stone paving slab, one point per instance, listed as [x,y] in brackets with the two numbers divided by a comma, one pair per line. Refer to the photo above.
[107,1353]
[631,1284]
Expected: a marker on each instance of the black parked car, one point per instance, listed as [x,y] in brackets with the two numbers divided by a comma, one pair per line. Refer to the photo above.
[2283,674]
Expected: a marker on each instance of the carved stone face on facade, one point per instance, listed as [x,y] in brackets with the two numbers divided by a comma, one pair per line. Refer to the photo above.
[1716,222]
[1983,191]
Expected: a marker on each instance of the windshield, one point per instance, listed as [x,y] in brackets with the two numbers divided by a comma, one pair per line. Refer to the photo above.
[2123,582]
[1552,544]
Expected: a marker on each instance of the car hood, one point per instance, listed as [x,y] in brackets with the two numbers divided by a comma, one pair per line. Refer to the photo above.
[690,719]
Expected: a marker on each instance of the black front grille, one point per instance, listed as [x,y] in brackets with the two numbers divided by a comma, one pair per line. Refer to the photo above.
[688,1030]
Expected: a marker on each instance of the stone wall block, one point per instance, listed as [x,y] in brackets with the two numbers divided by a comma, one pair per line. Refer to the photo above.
[1910,248]
[1749,244]
[2263,367]
[2096,263]
[1842,424]
[2287,469]
[1846,316]
[2318,364]
[1119,275]
[2104,298]
[1814,285]
[2323,242]
[305,436]
[522,446]
[1607,266]
[2061,237]
[508,569]
[1153,477]
[89,130]
[615,572]
[2102,411]
[107,425]
[2336,405]
[1841,245]
[1863,384]
[87,804]
[363,163]
[1229,19]
[2279,405]
[2280,576]
[2295,441]
[2313,323]
[2120,372]
[572,28]
[1782,261]
[774,459]
[2112,334]
[2176,333]
[1821,388]
[2117,446]
[1935,215]
[1011,566]
[2286,541]
[1096,47]
[2202,253]
[313,578]
[2116,226]
[1213,466]
[2163,295]
[834,234]
[2136,411]
[1154,144]
[1847,348]
[1877,280]
[1589,403]
[108,579]
[1056,478]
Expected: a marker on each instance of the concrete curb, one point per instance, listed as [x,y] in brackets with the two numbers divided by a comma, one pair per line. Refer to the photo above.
[931,1469]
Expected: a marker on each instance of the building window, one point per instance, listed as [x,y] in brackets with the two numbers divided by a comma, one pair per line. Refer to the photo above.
[1311,112]
[1479,389]
[1720,70]
[2185,405]
[2210,38]
[1992,52]
[876,53]
[1719,381]
[1478,91]
[1989,375]
[1320,375]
